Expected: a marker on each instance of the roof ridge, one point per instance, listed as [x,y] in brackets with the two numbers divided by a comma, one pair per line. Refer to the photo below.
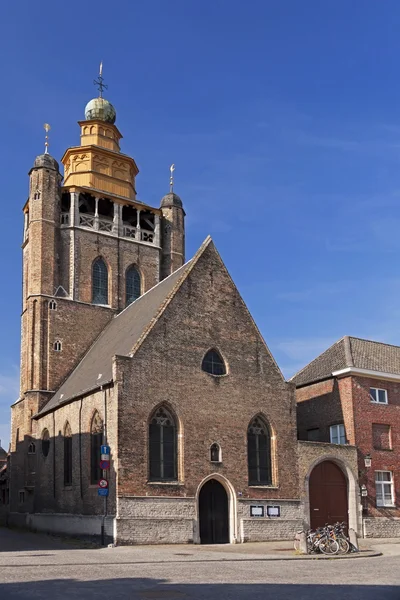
[190,264]
[316,358]
[352,337]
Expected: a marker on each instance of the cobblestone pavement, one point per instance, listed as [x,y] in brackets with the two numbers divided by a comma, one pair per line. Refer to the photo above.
[35,566]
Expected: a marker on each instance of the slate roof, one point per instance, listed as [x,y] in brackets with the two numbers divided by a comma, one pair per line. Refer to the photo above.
[119,337]
[351,352]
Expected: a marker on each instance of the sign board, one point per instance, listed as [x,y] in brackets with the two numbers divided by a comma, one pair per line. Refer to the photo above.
[105,450]
[273,511]
[102,491]
[103,483]
[364,492]
[257,510]
[104,464]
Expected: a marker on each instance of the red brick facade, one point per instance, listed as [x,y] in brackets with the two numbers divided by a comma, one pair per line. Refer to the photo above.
[374,428]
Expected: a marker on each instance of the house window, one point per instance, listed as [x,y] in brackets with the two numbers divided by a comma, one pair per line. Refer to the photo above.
[132,285]
[21,497]
[68,455]
[381,436]
[378,395]
[337,434]
[384,488]
[96,440]
[45,442]
[162,446]
[215,453]
[31,448]
[213,363]
[313,435]
[259,452]
[99,282]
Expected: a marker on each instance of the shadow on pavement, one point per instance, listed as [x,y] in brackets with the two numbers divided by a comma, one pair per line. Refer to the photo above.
[159,589]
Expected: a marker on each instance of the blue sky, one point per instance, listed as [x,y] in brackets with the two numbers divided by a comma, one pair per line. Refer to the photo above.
[283,120]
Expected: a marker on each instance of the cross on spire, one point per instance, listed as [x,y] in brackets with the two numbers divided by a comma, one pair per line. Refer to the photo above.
[99,82]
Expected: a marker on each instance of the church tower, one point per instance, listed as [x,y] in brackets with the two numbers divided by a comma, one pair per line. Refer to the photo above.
[90,248]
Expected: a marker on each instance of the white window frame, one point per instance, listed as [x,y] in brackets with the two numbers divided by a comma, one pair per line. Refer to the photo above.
[377,390]
[381,484]
[339,427]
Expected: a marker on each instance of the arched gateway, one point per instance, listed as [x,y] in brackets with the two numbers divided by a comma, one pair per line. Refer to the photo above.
[213,513]
[328,495]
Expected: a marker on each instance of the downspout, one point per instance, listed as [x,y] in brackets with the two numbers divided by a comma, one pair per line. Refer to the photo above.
[54,455]
[80,448]
[105,476]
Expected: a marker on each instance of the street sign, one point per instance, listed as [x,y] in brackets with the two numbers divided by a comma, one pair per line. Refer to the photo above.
[105,450]
[103,483]
[104,457]
[102,491]
[104,464]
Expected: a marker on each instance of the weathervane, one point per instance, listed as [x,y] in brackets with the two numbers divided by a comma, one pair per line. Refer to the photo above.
[171,178]
[47,128]
[99,82]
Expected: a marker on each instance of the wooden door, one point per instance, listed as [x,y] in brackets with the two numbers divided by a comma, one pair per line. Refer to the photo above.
[213,513]
[328,495]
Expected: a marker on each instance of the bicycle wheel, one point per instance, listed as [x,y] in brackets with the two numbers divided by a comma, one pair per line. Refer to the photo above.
[344,545]
[328,546]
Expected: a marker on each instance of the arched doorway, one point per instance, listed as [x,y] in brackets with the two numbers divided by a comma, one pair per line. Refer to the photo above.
[213,513]
[328,495]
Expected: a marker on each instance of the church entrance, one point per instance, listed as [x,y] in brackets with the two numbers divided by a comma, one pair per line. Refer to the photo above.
[328,495]
[213,513]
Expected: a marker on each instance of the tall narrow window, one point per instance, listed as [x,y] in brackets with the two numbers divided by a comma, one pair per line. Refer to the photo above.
[132,285]
[162,446]
[67,455]
[45,442]
[213,363]
[99,282]
[96,439]
[259,452]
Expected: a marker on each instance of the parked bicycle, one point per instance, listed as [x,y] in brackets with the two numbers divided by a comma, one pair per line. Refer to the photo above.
[331,539]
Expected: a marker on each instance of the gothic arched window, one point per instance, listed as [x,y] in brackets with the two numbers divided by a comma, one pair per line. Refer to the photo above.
[45,442]
[215,453]
[162,446]
[132,285]
[96,440]
[99,282]
[67,454]
[259,452]
[213,363]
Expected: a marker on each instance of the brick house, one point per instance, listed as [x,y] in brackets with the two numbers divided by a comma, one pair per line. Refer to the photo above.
[126,344]
[350,394]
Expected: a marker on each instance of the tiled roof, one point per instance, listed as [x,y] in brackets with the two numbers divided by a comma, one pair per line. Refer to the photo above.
[351,352]
[120,337]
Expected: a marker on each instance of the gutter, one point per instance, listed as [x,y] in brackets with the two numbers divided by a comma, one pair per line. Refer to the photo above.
[366,373]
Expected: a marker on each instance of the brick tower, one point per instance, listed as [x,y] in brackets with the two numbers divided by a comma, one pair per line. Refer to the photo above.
[90,248]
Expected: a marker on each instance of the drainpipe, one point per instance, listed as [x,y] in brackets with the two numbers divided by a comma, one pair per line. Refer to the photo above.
[103,521]
[80,449]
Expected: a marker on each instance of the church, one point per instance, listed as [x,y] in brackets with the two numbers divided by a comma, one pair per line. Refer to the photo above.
[151,409]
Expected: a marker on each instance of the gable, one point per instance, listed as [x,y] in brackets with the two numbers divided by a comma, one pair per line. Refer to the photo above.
[205,312]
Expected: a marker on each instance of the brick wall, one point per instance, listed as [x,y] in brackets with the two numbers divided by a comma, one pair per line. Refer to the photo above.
[366,415]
